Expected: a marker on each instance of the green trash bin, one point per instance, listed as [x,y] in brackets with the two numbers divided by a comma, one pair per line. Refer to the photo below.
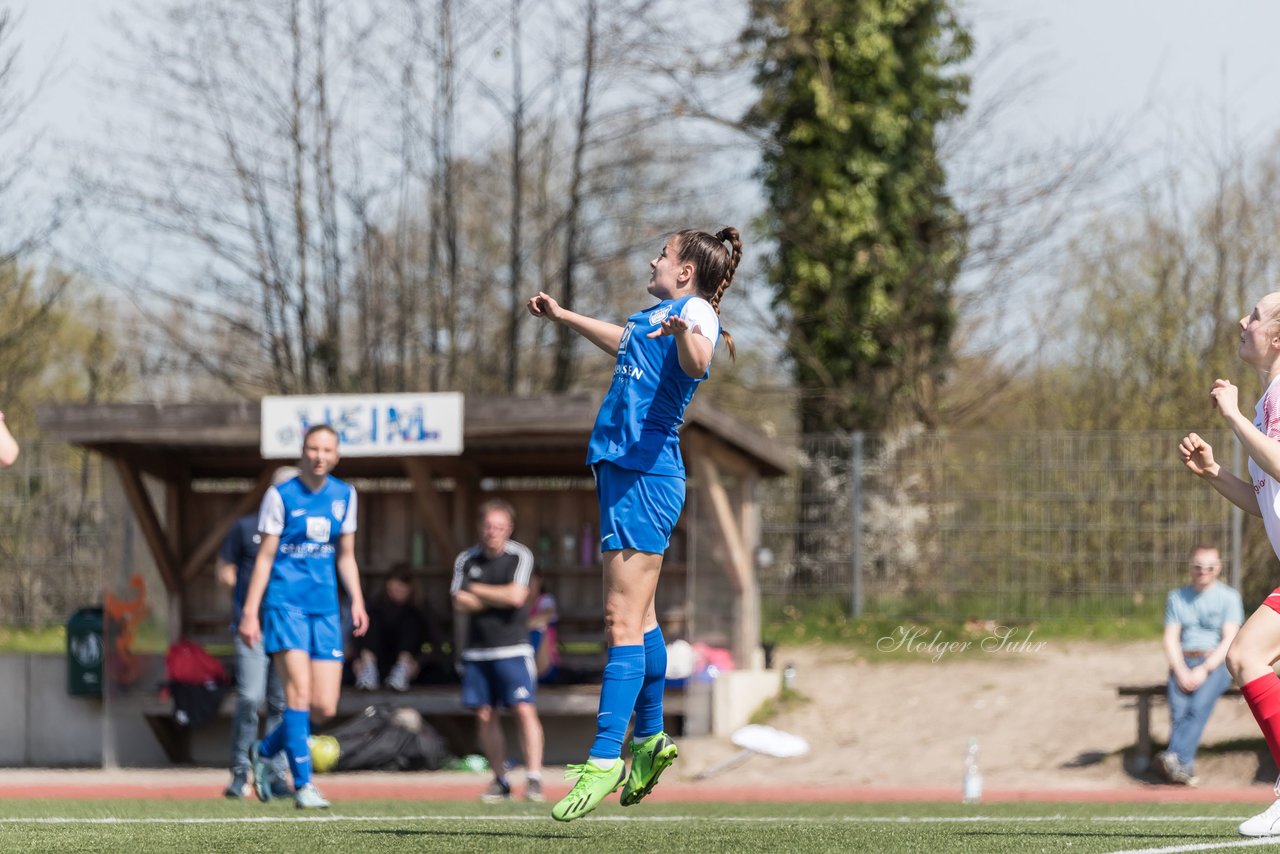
[85,652]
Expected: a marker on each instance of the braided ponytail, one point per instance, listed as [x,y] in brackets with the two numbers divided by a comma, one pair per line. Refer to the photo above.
[715,267]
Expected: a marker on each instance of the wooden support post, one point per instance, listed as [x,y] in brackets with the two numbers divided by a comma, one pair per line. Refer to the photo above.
[208,546]
[149,521]
[746,635]
[432,507]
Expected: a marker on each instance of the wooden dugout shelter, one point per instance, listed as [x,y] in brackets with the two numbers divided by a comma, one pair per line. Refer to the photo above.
[188,471]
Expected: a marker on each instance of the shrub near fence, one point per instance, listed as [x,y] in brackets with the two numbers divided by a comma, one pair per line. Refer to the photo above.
[997,525]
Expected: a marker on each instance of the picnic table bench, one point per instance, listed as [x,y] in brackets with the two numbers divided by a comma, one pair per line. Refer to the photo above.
[1143,695]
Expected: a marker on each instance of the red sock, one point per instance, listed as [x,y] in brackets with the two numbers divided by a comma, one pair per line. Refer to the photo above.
[1263,697]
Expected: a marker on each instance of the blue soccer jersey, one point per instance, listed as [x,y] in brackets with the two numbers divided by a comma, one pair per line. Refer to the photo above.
[304,575]
[639,421]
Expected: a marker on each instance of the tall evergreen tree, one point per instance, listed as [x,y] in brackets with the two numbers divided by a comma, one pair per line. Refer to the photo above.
[853,93]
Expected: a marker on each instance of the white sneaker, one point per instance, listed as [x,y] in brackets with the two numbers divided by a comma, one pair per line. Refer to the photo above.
[309,798]
[398,678]
[1265,823]
[366,676]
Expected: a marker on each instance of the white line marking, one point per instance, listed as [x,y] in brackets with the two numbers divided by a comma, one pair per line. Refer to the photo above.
[1205,846]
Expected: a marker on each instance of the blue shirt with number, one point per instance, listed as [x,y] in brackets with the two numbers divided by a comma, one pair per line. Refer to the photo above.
[309,524]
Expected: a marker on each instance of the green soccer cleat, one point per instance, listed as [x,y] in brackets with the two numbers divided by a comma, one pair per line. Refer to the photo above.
[648,761]
[594,784]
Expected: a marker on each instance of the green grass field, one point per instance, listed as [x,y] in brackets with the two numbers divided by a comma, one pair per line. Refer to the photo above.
[461,828]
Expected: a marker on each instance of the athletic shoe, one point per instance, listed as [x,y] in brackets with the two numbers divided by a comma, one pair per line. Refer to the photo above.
[1172,770]
[1265,823]
[261,776]
[533,791]
[398,678]
[498,791]
[593,786]
[237,788]
[366,675]
[309,798]
[648,761]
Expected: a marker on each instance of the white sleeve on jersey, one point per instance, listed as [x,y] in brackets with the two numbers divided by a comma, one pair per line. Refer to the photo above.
[698,312]
[271,514]
[349,522]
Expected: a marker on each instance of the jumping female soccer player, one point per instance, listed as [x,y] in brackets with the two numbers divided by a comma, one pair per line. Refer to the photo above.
[308,528]
[662,354]
[1257,645]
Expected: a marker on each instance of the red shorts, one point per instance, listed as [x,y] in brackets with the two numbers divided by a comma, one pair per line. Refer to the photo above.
[1273,600]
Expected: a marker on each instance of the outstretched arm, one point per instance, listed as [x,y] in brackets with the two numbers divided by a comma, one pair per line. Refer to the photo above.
[1261,446]
[607,336]
[1197,455]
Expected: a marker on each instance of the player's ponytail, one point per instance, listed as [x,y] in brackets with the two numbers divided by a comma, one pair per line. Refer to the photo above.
[714,266]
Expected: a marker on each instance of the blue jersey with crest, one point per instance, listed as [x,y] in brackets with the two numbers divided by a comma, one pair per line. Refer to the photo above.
[638,424]
[304,574]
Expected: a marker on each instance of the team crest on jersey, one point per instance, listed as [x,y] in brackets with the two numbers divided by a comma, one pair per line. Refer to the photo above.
[318,529]
[339,509]
[660,315]
[474,572]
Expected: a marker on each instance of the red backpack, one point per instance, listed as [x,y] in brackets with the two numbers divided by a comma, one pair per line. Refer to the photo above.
[188,663]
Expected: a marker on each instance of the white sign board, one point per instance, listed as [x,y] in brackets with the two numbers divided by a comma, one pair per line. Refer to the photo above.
[368,425]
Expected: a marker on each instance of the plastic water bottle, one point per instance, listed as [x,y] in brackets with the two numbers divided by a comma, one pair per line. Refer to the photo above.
[972,788]
[789,677]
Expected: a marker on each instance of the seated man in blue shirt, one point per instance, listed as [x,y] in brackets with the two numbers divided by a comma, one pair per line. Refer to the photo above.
[1200,621]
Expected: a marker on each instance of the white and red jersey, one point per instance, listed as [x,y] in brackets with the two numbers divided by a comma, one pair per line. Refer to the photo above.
[1266,417]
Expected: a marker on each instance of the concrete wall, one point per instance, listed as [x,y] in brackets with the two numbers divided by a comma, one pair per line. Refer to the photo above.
[44,726]
[736,694]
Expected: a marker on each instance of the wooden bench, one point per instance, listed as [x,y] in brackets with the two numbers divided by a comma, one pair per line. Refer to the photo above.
[441,704]
[1143,695]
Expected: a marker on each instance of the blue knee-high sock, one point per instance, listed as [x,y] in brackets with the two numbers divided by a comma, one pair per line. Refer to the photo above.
[623,676]
[274,741]
[649,701]
[297,729]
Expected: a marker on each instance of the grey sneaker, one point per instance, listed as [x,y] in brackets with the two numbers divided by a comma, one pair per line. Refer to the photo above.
[309,798]
[237,788]
[261,776]
[398,678]
[533,791]
[366,676]
[498,791]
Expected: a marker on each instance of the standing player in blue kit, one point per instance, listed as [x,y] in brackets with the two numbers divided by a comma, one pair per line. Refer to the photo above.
[308,528]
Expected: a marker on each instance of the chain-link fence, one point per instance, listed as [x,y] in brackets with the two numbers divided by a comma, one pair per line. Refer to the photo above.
[997,525]
[51,534]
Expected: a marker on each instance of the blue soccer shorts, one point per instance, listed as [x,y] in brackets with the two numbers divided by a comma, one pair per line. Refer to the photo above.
[637,510]
[500,682]
[320,635]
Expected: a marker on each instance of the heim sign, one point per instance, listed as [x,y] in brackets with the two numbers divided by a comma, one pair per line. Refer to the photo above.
[368,425]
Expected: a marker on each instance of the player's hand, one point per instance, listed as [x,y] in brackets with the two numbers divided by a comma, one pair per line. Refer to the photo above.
[250,630]
[1225,397]
[359,619]
[673,325]
[543,305]
[1197,455]
[1193,679]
